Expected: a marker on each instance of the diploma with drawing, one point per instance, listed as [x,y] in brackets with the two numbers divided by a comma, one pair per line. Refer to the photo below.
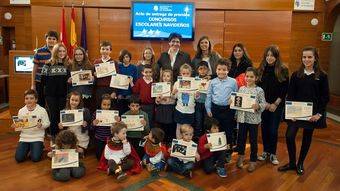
[25,122]
[133,122]
[105,69]
[218,141]
[65,158]
[299,110]
[161,89]
[71,117]
[202,85]
[106,117]
[81,77]
[120,81]
[186,83]
[183,150]
[242,101]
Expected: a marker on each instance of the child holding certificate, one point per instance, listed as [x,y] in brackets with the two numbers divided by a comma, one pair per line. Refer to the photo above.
[308,84]
[143,89]
[32,139]
[67,140]
[211,158]
[102,85]
[74,102]
[184,166]
[249,121]
[165,109]
[119,156]
[136,137]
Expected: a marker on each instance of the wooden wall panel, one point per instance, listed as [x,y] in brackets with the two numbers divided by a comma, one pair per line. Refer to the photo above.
[256,30]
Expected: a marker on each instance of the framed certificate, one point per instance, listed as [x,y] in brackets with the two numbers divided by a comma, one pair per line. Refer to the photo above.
[120,81]
[183,150]
[218,141]
[161,89]
[133,122]
[186,83]
[71,117]
[106,117]
[25,122]
[242,101]
[202,85]
[105,69]
[82,77]
[65,158]
[299,110]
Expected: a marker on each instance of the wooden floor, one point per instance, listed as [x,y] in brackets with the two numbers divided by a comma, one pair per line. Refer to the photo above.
[322,168]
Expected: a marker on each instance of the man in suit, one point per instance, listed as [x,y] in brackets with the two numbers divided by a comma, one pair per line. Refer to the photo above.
[174,58]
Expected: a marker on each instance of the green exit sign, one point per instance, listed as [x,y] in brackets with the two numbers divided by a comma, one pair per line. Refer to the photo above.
[326,36]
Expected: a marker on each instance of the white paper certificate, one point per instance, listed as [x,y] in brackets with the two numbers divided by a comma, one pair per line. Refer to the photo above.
[71,117]
[120,81]
[218,141]
[183,150]
[65,158]
[82,77]
[299,110]
[186,83]
[202,85]
[25,122]
[161,89]
[242,101]
[133,122]
[105,69]
[106,117]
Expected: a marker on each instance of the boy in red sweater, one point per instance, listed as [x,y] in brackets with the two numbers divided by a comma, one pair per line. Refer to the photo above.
[211,158]
[143,89]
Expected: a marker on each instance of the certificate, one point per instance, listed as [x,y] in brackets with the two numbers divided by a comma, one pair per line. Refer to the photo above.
[71,117]
[242,101]
[299,110]
[186,83]
[105,69]
[161,89]
[218,141]
[65,158]
[183,150]
[82,77]
[120,81]
[25,122]
[106,117]
[133,122]
[202,85]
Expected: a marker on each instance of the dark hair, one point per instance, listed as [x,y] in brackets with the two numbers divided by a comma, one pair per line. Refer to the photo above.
[74,93]
[134,99]
[122,54]
[202,63]
[316,66]
[117,127]
[66,137]
[210,122]
[245,58]
[254,70]
[280,70]
[157,134]
[147,66]
[199,50]
[105,43]
[224,62]
[85,62]
[51,34]
[175,35]
[104,97]
[31,92]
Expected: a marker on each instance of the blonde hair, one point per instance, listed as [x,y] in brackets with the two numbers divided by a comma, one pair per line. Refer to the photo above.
[54,56]
[185,128]
[167,71]
[185,67]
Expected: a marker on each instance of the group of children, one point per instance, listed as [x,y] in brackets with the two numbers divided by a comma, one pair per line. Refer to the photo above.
[184,115]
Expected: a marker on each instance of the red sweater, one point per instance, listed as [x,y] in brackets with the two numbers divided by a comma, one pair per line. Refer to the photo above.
[204,153]
[144,91]
[106,80]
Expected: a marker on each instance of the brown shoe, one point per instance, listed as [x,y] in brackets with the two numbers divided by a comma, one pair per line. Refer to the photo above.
[240,160]
[252,166]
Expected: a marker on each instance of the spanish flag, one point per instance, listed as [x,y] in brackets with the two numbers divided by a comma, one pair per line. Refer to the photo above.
[63,37]
[73,34]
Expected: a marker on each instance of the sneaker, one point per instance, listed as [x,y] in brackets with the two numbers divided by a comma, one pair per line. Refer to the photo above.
[121,176]
[228,158]
[240,160]
[221,172]
[262,157]
[273,159]
[252,166]
[188,174]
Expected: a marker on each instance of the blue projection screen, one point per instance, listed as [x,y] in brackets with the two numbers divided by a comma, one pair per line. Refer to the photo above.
[156,20]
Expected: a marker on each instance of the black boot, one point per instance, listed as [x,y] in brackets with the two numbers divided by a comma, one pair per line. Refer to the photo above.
[300,170]
[286,167]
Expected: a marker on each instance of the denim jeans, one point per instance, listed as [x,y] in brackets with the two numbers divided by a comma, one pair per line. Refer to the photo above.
[34,148]
[217,158]
[160,165]
[179,166]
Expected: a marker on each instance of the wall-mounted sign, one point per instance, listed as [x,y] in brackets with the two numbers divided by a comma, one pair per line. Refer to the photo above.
[326,36]
[19,2]
[304,5]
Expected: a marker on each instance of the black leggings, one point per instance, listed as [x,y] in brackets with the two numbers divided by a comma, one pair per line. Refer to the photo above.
[291,146]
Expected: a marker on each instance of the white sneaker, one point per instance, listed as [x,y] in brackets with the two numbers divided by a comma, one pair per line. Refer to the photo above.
[273,159]
[262,157]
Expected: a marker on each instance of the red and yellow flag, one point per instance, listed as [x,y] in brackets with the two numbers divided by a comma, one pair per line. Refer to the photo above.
[73,34]
[63,37]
